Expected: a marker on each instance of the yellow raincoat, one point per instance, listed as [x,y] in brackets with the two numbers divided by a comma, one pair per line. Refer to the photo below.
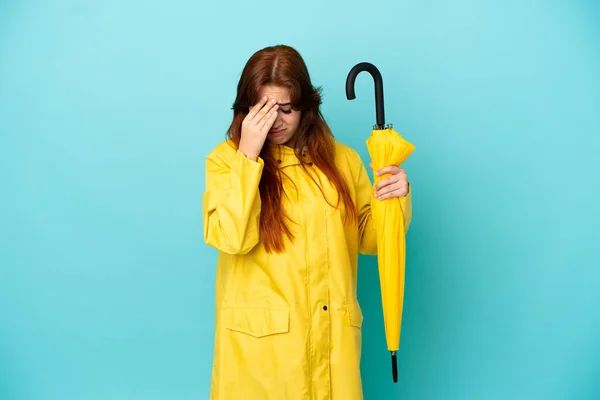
[288,325]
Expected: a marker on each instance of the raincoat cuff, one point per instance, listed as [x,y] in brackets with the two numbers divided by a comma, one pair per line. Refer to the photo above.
[258,161]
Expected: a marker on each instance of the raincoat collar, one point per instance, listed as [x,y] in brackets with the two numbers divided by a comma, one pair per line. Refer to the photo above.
[286,156]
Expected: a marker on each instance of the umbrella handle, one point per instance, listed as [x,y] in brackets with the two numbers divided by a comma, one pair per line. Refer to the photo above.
[370,68]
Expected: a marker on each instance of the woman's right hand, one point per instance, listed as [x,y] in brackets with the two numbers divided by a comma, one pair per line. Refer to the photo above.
[256,126]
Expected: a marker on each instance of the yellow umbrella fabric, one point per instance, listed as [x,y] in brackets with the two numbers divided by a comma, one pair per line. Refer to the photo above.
[387,147]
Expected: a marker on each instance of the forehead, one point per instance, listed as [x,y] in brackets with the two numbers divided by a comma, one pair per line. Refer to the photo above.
[280,93]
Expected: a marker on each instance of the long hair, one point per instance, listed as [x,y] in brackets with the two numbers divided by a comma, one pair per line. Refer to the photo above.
[283,66]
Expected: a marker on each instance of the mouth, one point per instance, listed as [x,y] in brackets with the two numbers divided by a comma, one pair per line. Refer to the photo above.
[276,132]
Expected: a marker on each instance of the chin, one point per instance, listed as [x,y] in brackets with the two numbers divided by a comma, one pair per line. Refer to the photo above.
[279,140]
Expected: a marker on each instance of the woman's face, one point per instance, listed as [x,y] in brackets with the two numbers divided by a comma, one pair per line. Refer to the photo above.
[285,126]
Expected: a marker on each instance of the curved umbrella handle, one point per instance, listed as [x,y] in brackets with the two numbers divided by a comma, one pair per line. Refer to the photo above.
[357,69]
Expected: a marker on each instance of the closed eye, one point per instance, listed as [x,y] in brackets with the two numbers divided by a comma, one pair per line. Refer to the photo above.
[286,111]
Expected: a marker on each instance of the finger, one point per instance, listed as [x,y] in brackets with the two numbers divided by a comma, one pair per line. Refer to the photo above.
[261,114]
[371,165]
[268,121]
[257,107]
[391,195]
[391,169]
[385,182]
[390,189]
[383,191]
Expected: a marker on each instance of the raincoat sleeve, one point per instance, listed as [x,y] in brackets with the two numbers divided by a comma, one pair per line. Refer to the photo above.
[364,196]
[231,202]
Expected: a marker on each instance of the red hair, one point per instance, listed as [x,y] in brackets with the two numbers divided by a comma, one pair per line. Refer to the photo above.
[283,66]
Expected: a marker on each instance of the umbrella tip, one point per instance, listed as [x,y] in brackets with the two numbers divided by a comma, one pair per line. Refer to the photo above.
[394,367]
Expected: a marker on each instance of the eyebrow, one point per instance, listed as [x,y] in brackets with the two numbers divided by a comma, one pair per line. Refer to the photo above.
[284,104]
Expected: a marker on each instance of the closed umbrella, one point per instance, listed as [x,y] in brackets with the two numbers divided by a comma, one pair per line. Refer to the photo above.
[386,147]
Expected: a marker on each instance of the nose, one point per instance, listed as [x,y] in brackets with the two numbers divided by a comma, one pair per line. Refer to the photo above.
[277,119]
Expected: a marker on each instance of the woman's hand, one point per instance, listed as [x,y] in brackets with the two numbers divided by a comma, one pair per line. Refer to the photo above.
[256,126]
[395,185]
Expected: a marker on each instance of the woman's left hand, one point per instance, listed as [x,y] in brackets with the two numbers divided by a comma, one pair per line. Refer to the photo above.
[395,185]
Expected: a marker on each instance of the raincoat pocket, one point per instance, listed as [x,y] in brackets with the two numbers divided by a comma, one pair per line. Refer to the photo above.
[355,316]
[257,321]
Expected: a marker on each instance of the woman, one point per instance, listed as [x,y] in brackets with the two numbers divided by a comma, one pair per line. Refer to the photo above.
[288,208]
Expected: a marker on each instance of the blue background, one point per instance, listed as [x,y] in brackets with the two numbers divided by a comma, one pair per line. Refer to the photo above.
[108,109]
